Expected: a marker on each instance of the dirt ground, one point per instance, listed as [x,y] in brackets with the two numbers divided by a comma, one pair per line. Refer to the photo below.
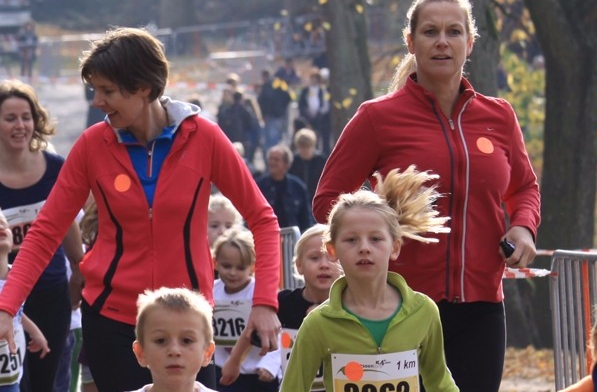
[528,370]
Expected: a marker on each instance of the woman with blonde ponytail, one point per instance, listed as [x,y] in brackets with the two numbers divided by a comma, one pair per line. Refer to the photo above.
[473,146]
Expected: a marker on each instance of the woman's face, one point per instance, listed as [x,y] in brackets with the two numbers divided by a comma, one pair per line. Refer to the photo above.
[16,123]
[125,110]
[440,42]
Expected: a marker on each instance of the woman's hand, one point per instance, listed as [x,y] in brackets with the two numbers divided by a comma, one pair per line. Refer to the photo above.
[524,247]
[265,320]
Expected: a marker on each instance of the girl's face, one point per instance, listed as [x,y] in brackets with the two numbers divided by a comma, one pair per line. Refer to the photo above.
[363,244]
[231,270]
[175,347]
[16,123]
[217,222]
[125,111]
[440,42]
[316,266]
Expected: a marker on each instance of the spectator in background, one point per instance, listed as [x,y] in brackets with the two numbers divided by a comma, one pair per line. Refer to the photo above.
[307,163]
[235,120]
[274,98]
[233,81]
[27,41]
[286,193]
[195,99]
[287,72]
[255,134]
[314,106]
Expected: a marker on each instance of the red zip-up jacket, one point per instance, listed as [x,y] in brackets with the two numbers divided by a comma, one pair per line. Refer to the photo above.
[479,154]
[139,247]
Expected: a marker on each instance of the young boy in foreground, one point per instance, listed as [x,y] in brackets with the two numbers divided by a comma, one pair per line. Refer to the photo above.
[174,338]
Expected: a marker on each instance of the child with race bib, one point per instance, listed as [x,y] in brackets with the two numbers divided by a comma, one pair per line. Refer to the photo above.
[12,368]
[174,338]
[318,271]
[375,333]
[234,252]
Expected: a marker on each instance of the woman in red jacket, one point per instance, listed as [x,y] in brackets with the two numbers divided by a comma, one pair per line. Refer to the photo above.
[149,166]
[433,118]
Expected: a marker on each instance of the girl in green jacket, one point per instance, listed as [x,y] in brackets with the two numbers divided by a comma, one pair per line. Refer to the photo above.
[375,333]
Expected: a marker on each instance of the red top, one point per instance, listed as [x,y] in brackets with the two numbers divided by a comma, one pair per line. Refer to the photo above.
[140,248]
[479,154]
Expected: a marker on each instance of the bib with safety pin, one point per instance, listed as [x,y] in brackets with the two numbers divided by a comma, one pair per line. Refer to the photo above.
[393,372]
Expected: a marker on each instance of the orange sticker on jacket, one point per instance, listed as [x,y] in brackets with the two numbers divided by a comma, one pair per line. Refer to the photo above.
[122,183]
[485,145]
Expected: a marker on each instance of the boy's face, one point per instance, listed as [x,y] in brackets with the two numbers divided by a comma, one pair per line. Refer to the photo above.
[5,236]
[175,347]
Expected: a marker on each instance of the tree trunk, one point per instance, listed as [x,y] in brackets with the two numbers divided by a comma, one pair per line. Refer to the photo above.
[482,67]
[348,58]
[567,30]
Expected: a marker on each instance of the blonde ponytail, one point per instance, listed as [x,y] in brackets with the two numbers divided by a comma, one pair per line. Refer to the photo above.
[414,202]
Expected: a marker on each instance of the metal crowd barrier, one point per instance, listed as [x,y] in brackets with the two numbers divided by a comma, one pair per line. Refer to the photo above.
[288,238]
[573,296]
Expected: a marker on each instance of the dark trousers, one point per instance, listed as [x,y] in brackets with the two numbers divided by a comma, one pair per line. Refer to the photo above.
[475,343]
[108,347]
[50,309]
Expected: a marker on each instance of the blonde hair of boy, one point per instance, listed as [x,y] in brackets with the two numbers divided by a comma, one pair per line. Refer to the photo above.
[242,240]
[404,202]
[176,300]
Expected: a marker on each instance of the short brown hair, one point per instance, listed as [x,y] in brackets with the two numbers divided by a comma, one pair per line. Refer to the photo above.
[177,300]
[132,58]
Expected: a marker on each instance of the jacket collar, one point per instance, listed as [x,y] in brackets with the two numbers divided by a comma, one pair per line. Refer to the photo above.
[177,111]
[411,300]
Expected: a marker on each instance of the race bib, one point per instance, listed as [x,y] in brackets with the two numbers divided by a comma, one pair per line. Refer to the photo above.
[229,321]
[287,339]
[11,365]
[20,219]
[395,372]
